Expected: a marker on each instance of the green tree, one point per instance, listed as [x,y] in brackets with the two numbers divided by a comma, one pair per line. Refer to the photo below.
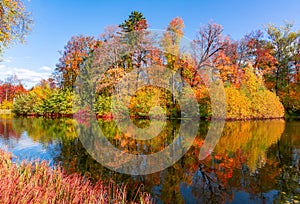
[284,42]
[135,21]
[136,38]
[132,33]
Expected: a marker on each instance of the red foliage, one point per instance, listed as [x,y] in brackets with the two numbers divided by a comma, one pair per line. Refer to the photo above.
[9,91]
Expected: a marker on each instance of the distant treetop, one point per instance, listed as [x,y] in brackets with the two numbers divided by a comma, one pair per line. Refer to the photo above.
[136,21]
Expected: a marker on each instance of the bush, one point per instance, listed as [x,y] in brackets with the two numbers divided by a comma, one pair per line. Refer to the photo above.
[261,104]
[265,104]
[251,101]
[238,104]
[6,105]
[41,102]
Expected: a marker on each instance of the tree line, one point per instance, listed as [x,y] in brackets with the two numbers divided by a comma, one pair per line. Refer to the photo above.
[260,71]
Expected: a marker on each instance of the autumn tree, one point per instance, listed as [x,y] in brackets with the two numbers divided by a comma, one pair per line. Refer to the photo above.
[76,50]
[228,62]
[171,45]
[15,22]
[208,42]
[109,64]
[237,54]
[259,52]
[284,42]
[285,48]
[10,89]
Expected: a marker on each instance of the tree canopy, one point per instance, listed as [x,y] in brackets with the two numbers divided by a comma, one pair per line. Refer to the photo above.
[15,22]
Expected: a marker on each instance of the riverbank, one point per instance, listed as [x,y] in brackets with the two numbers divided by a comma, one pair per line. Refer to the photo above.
[39,183]
[109,117]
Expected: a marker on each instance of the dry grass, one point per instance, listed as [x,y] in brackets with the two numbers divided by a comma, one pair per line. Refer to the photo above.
[38,183]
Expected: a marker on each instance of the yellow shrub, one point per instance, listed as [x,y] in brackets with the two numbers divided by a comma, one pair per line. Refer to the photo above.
[265,104]
[259,104]
[253,100]
[6,105]
[238,104]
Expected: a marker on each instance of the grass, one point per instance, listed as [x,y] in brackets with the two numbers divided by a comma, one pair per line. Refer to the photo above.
[39,183]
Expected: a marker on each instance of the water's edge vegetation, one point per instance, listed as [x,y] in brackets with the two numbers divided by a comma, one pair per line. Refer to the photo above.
[38,183]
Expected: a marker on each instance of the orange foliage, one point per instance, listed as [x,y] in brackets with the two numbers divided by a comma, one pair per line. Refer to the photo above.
[76,50]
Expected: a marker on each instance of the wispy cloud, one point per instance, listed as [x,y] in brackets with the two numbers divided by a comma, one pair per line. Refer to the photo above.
[27,76]
[46,68]
[7,60]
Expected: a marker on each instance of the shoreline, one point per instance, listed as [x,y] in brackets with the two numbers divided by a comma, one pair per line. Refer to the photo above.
[109,117]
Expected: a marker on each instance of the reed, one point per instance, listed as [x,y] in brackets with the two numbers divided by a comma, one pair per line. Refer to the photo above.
[36,182]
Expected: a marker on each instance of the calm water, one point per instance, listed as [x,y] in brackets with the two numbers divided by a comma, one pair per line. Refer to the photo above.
[253,162]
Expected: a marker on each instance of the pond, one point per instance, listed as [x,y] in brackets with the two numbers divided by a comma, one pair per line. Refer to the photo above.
[253,161]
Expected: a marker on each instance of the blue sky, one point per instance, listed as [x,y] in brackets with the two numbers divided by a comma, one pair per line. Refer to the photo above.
[55,21]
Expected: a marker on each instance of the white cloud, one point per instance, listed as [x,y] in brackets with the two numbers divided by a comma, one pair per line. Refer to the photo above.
[2,66]
[27,76]
[46,68]
[7,60]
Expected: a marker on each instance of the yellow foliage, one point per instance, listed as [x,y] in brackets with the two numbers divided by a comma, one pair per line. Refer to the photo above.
[14,22]
[238,104]
[252,139]
[265,104]
[259,104]
[253,100]
[147,98]
[251,81]
[6,105]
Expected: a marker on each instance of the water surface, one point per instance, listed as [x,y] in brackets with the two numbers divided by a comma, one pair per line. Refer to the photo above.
[253,162]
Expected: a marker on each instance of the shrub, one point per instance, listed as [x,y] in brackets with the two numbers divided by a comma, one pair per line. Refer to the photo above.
[6,105]
[265,104]
[40,102]
[251,101]
[238,104]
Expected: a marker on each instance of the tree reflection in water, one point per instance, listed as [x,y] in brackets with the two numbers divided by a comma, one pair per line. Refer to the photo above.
[259,158]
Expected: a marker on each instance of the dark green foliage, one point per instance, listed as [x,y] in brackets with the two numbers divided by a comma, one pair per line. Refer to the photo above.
[131,23]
